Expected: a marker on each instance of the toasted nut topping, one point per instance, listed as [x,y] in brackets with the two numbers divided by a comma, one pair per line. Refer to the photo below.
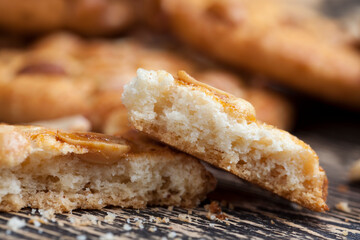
[42,68]
[236,106]
[103,149]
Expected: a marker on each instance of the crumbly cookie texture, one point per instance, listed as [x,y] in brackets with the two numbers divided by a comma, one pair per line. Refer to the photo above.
[49,169]
[223,130]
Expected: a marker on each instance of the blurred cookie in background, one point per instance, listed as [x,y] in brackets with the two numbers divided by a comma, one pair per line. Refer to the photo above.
[39,95]
[292,46]
[88,17]
[63,75]
[33,16]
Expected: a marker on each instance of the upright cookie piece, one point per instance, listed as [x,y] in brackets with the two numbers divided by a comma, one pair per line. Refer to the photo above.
[271,107]
[49,169]
[223,130]
[294,47]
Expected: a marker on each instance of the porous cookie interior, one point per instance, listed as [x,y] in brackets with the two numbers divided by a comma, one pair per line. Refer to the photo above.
[55,173]
[222,130]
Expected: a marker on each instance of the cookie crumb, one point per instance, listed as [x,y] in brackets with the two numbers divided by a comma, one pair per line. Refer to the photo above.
[172,234]
[215,212]
[343,206]
[127,227]
[272,222]
[161,220]
[47,214]
[184,217]
[81,237]
[213,207]
[15,223]
[140,224]
[170,208]
[107,236]
[110,217]
[37,223]
[153,229]
[84,220]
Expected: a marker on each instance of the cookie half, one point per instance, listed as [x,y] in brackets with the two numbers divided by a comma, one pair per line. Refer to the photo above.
[223,130]
[49,169]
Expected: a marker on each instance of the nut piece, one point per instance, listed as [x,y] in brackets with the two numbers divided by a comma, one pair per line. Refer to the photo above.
[242,109]
[103,149]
